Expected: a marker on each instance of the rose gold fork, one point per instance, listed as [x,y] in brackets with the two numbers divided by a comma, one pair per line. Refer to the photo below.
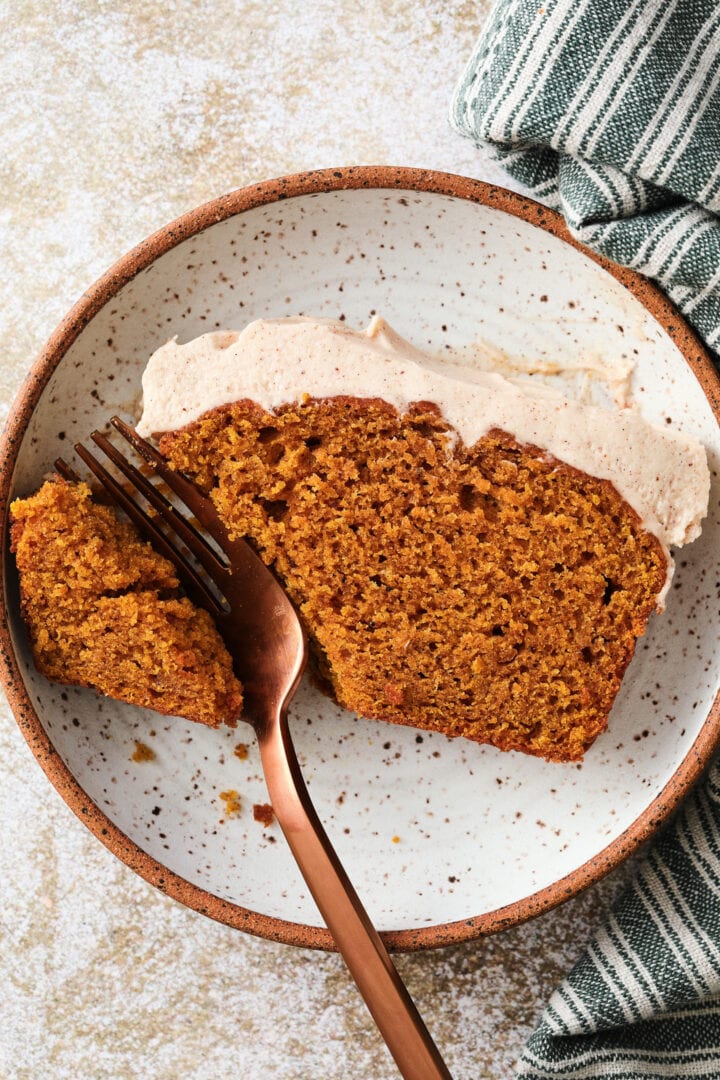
[266,641]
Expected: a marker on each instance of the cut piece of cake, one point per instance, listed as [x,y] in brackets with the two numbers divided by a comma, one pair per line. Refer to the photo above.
[490,593]
[104,610]
[467,557]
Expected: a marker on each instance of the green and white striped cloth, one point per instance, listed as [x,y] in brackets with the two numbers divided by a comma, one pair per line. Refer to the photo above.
[644,998]
[609,110]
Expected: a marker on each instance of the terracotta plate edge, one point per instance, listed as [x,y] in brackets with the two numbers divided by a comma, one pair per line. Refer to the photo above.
[123,271]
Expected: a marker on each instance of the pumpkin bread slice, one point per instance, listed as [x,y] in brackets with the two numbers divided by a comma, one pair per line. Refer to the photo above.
[487,591]
[104,610]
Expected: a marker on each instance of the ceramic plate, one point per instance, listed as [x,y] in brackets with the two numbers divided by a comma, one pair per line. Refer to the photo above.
[443,839]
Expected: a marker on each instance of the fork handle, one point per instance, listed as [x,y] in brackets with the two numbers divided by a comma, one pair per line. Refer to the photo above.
[357,940]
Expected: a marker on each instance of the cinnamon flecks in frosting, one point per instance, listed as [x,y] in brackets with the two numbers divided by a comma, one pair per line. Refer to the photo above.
[663,475]
[469,554]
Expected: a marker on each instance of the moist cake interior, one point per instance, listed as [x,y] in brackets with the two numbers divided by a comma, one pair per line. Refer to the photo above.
[103,609]
[486,591]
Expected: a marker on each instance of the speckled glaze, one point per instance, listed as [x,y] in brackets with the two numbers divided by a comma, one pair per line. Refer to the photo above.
[444,840]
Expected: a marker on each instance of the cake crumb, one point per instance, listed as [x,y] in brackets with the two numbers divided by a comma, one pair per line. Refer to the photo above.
[241,751]
[263,812]
[231,799]
[142,752]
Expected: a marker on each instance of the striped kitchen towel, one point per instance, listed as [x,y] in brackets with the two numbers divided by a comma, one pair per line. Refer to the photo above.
[609,110]
[643,1001]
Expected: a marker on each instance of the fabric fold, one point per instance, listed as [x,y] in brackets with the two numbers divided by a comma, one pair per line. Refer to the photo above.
[610,113]
[644,998]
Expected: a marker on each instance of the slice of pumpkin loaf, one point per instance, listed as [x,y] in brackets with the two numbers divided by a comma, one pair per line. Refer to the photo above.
[487,591]
[104,610]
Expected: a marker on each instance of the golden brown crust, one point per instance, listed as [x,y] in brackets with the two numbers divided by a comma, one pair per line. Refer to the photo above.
[103,609]
[489,592]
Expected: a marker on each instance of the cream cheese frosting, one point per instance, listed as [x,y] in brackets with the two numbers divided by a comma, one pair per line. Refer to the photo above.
[663,475]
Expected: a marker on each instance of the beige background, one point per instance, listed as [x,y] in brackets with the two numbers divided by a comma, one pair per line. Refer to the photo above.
[114,118]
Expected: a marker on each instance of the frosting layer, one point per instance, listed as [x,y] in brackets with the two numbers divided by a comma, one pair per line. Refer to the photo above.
[662,474]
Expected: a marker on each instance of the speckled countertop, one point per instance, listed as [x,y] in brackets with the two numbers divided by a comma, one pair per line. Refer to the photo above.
[115,118]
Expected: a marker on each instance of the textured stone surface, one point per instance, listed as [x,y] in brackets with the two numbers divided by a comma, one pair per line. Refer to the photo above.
[116,118]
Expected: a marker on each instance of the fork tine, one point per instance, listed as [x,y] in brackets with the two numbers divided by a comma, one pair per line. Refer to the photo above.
[199,546]
[185,490]
[194,585]
[66,471]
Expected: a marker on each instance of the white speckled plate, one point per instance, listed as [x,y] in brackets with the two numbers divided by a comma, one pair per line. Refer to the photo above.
[443,839]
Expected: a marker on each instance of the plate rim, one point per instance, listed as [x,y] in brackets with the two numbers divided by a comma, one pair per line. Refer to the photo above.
[191,223]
